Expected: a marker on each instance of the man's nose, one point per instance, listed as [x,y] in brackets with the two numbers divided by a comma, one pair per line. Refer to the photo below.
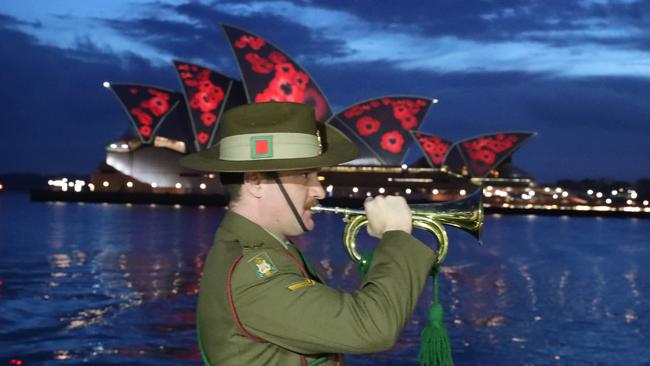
[317,191]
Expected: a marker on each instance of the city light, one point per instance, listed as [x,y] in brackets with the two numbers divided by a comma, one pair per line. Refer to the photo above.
[154,185]
[633,195]
[434,191]
[614,192]
[565,194]
[590,192]
[125,146]
[629,202]
[404,166]
[330,188]
[558,190]
[382,190]
[178,185]
[113,146]
[91,187]
[555,196]
[462,192]
[202,186]
[355,189]
[1,187]
[105,184]
[106,84]
[599,194]
[408,191]
[129,184]
[645,202]
[608,201]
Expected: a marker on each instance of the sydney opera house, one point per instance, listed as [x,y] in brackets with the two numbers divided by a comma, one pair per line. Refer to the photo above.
[166,124]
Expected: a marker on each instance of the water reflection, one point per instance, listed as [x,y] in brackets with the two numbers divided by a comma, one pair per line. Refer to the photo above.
[117,284]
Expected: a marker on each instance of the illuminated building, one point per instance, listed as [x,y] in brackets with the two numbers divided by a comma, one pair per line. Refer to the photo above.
[167,125]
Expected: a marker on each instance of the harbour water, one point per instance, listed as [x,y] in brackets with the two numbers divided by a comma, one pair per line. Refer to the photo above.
[116,284]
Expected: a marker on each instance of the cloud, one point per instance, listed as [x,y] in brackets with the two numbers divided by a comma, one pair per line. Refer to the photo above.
[399,45]
[592,38]
[72,25]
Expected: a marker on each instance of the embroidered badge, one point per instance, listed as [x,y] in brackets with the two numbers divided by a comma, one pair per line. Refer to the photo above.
[301,284]
[261,147]
[263,265]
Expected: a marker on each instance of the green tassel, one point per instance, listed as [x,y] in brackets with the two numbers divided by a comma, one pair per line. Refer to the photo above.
[364,264]
[435,349]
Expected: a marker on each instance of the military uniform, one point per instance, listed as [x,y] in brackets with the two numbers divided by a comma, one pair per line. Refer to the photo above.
[259,304]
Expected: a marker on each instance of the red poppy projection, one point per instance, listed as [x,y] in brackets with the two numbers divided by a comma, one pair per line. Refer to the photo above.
[435,148]
[484,153]
[383,124]
[147,106]
[271,76]
[205,92]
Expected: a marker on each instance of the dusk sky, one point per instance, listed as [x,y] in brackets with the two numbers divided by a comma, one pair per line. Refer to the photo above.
[575,72]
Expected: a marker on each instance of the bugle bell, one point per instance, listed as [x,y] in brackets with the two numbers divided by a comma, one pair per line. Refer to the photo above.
[465,214]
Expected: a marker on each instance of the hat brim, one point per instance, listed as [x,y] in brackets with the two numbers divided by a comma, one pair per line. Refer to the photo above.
[337,149]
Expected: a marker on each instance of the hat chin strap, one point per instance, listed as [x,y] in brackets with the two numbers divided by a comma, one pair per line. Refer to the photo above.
[293,208]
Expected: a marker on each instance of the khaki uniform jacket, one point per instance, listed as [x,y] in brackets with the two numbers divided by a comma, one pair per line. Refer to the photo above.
[258,305]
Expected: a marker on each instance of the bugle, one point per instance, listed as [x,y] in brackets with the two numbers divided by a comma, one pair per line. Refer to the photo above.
[465,214]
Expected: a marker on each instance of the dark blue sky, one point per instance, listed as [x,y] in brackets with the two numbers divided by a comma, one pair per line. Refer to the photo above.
[576,72]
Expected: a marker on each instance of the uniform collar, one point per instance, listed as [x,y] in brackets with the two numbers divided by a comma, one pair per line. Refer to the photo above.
[249,234]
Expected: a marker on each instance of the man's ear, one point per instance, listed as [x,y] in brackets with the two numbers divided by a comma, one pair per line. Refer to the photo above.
[252,184]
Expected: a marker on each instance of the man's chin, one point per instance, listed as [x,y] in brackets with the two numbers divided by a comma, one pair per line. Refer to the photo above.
[309,222]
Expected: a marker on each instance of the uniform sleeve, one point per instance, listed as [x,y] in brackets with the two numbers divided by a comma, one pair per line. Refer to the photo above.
[316,318]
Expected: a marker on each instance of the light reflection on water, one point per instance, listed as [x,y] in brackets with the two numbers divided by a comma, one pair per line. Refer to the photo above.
[116,284]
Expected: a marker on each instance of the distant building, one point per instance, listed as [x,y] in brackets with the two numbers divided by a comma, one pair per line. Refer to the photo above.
[167,125]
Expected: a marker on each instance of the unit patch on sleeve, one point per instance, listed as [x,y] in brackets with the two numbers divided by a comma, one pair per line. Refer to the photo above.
[263,265]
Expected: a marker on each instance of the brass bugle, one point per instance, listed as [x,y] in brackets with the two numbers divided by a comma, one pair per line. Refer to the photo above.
[465,214]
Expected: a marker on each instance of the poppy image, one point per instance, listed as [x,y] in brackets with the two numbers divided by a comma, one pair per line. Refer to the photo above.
[254,42]
[367,125]
[352,112]
[435,148]
[208,119]
[259,64]
[145,131]
[409,122]
[206,86]
[142,117]
[486,156]
[277,58]
[157,105]
[203,137]
[392,141]
[207,102]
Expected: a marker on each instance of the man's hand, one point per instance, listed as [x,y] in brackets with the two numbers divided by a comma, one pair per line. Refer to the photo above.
[387,213]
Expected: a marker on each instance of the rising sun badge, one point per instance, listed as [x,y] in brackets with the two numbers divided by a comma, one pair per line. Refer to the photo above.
[263,265]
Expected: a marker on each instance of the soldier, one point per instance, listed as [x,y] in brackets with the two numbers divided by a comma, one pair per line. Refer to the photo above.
[260,303]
